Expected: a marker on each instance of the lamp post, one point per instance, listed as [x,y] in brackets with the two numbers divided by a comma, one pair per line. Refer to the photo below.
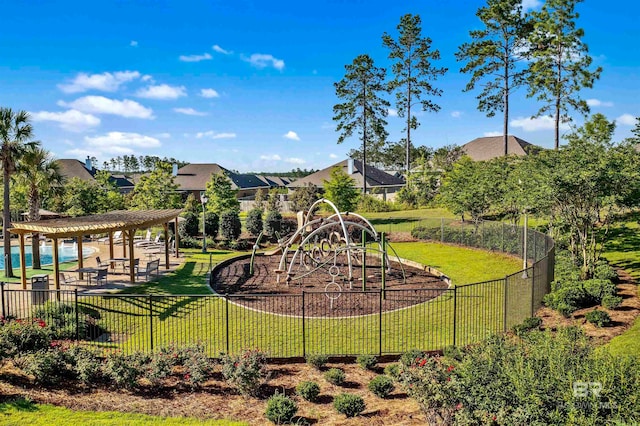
[203,200]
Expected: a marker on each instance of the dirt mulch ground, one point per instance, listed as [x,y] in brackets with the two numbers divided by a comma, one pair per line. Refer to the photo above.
[217,401]
[622,317]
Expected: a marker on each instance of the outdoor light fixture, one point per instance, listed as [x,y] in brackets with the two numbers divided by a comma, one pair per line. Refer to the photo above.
[203,200]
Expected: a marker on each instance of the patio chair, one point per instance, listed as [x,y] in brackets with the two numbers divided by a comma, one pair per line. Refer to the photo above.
[66,279]
[146,239]
[153,243]
[136,265]
[98,261]
[101,276]
[117,238]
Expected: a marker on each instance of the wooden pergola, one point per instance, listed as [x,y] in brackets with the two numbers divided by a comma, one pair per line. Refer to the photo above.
[75,227]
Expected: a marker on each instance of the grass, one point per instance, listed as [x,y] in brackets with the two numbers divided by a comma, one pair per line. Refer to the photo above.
[23,412]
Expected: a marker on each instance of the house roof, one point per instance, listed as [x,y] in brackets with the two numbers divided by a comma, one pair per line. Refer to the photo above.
[486,148]
[71,168]
[375,176]
[194,177]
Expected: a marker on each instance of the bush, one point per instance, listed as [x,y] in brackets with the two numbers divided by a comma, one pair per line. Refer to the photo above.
[239,245]
[61,320]
[611,302]
[348,404]
[230,226]
[245,372]
[392,370]
[19,337]
[381,386]
[196,363]
[308,390]
[410,357]
[368,362]
[317,361]
[47,367]
[273,223]
[189,227]
[335,376]
[123,370]
[532,323]
[86,364]
[598,318]
[370,204]
[280,409]
[254,222]
[211,224]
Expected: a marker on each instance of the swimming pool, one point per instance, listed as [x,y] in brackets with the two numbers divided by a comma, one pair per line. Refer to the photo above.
[66,253]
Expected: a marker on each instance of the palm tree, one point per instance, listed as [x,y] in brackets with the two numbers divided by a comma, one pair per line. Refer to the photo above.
[15,130]
[39,174]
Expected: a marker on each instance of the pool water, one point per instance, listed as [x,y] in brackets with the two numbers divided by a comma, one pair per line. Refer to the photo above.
[66,253]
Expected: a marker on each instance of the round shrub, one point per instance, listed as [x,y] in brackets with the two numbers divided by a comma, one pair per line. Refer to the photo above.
[18,337]
[317,361]
[86,364]
[189,226]
[381,386]
[280,409]
[392,370]
[598,318]
[411,357]
[273,223]
[611,302]
[254,222]
[308,390]
[230,226]
[335,376]
[123,370]
[368,362]
[246,371]
[47,367]
[211,224]
[348,404]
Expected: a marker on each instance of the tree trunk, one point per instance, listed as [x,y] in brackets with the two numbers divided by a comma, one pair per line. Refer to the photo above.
[364,139]
[409,125]
[558,96]
[6,223]
[505,124]
[34,214]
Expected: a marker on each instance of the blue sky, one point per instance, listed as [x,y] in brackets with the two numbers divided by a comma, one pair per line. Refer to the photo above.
[249,85]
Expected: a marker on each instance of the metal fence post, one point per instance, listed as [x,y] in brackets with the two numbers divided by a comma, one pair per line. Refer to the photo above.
[380,326]
[504,314]
[226,318]
[151,320]
[533,288]
[304,338]
[75,294]
[442,229]
[455,312]
[4,312]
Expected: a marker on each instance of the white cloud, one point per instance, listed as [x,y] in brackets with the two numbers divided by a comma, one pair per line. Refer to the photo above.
[392,112]
[529,124]
[598,103]
[215,135]
[490,134]
[209,93]
[333,156]
[294,160]
[626,120]
[219,49]
[530,4]
[195,58]
[189,111]
[105,82]
[274,157]
[162,91]
[262,60]
[164,135]
[71,120]
[133,43]
[121,142]
[291,135]
[146,77]
[102,105]
[456,114]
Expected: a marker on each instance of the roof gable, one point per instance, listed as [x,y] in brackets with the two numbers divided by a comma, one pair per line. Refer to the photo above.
[486,148]
[375,176]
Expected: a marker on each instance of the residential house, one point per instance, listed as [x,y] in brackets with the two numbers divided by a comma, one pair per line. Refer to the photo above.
[486,148]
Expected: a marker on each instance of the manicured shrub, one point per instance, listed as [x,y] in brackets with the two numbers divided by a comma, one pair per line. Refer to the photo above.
[189,227]
[196,363]
[246,371]
[86,364]
[317,361]
[381,386]
[532,323]
[48,367]
[19,337]
[158,368]
[452,352]
[123,370]
[254,222]
[410,357]
[61,320]
[370,204]
[603,271]
[348,404]
[211,224]
[273,223]
[598,318]
[368,362]
[280,409]
[392,370]
[230,226]
[335,376]
[611,302]
[308,390]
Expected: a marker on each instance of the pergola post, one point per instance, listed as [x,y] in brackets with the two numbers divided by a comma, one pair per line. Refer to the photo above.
[56,265]
[23,266]
[80,259]
[132,272]
[166,244]
[124,244]
[111,256]
[177,236]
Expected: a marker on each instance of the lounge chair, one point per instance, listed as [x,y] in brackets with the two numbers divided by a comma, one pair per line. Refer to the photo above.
[139,239]
[66,279]
[117,238]
[155,242]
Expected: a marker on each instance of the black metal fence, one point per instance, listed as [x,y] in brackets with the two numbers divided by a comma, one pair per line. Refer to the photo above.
[294,325]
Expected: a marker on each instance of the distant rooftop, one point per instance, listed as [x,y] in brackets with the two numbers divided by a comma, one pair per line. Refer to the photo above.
[486,148]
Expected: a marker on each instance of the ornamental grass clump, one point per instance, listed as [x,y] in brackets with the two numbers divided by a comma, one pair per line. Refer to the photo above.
[348,404]
[308,390]
[381,386]
[280,409]
[245,372]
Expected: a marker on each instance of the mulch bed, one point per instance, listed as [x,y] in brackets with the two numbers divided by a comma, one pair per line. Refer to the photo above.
[323,296]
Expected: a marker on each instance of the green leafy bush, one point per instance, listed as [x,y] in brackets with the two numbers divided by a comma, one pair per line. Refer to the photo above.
[189,227]
[392,370]
[86,364]
[308,390]
[611,302]
[273,223]
[598,318]
[410,357]
[381,386]
[368,362]
[317,361]
[246,371]
[280,409]
[335,376]
[123,370]
[48,367]
[348,404]
[532,323]
[370,204]
[196,363]
[254,222]
[230,226]
[211,224]
[19,337]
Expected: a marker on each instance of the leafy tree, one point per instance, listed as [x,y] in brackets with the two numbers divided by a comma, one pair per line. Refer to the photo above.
[273,200]
[341,190]
[363,110]
[156,190]
[111,198]
[445,157]
[192,205]
[15,131]
[39,175]
[254,221]
[259,199]
[413,72]
[273,223]
[392,155]
[221,196]
[494,55]
[303,197]
[230,226]
[561,64]
[212,224]
[422,185]
[189,227]
[79,198]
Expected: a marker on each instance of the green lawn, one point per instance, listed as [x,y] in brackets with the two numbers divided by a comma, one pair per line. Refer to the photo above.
[23,413]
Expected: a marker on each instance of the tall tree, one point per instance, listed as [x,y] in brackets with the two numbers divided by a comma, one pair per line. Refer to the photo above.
[157,190]
[15,131]
[39,175]
[494,57]
[561,64]
[222,197]
[341,190]
[413,73]
[363,110]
